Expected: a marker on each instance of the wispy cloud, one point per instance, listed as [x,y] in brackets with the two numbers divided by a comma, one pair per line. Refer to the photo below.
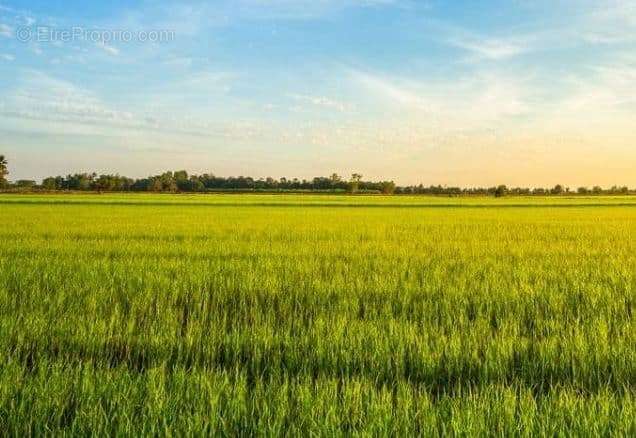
[321,101]
[35,49]
[42,97]
[19,17]
[605,22]
[6,30]
[607,90]
[108,48]
[7,57]
[302,9]
[471,101]
[489,48]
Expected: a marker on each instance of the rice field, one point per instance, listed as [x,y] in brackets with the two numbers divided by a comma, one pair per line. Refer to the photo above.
[267,315]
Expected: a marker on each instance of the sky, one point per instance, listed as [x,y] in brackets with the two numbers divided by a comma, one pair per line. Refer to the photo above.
[517,92]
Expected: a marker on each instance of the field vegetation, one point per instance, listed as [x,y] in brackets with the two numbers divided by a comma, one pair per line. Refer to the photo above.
[324,315]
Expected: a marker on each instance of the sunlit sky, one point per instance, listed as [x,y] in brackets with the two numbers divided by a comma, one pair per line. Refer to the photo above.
[458,92]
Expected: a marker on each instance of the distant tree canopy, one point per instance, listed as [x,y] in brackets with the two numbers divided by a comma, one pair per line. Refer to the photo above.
[501,191]
[354,183]
[4,171]
[181,182]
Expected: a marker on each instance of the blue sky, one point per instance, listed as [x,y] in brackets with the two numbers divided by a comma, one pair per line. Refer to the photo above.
[463,92]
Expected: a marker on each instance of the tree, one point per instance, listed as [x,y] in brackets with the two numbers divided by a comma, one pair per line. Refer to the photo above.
[181,180]
[50,183]
[557,190]
[196,185]
[4,171]
[616,190]
[387,187]
[501,191]
[354,184]
[25,184]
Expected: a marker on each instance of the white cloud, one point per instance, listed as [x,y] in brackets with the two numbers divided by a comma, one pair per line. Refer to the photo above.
[36,49]
[609,89]
[206,82]
[108,49]
[19,17]
[489,48]
[610,22]
[302,9]
[6,30]
[7,57]
[476,100]
[599,22]
[40,96]
[188,18]
[321,101]
[179,62]
[28,20]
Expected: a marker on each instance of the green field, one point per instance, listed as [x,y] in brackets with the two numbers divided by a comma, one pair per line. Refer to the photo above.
[322,315]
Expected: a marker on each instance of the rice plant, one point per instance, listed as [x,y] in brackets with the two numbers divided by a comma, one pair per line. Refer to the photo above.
[317,315]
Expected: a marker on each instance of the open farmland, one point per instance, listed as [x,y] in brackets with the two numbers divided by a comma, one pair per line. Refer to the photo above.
[265,314]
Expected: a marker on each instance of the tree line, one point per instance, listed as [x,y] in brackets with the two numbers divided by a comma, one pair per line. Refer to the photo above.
[182,182]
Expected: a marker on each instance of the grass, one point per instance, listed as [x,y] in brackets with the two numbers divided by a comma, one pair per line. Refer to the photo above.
[229,314]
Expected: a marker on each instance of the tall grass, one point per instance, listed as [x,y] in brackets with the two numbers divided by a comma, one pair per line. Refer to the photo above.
[174,318]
